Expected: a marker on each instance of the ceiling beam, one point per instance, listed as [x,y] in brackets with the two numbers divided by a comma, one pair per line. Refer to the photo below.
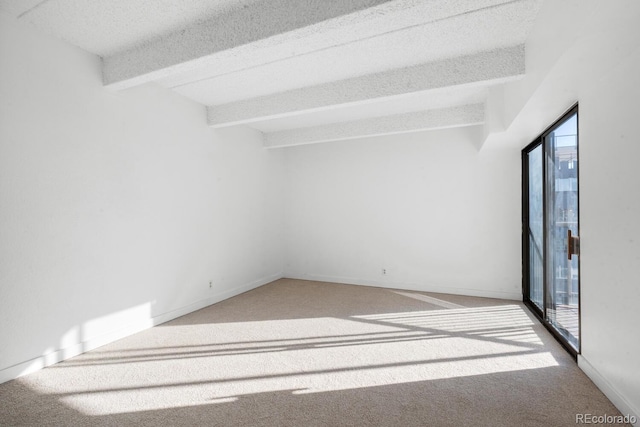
[465,115]
[256,25]
[263,32]
[492,67]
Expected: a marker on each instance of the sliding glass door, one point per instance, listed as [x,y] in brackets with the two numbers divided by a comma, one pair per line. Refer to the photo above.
[550,229]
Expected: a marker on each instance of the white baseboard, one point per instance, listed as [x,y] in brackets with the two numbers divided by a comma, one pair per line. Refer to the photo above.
[51,358]
[620,402]
[516,296]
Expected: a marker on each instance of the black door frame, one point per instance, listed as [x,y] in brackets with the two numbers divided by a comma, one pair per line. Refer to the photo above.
[541,314]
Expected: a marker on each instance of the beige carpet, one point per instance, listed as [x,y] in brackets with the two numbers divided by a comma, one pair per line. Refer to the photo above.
[296,353]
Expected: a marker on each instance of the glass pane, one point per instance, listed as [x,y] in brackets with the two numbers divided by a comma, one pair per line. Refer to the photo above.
[535,226]
[561,147]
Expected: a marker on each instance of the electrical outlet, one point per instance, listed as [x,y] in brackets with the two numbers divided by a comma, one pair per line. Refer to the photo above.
[210,284]
[384,271]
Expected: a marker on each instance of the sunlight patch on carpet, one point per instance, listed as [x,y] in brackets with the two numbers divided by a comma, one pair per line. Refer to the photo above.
[219,363]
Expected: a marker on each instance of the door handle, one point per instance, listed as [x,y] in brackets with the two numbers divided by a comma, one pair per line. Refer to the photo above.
[573,245]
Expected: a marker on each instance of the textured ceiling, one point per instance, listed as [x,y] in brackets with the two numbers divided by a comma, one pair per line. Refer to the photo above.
[304,71]
[460,35]
[106,27]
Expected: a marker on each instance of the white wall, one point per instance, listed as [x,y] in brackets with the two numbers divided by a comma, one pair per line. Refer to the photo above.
[428,207]
[589,52]
[117,208]
[610,231]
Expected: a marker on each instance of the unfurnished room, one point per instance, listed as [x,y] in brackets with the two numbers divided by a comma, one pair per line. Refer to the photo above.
[319,212]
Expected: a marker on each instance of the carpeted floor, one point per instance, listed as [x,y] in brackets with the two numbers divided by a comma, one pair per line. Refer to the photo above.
[297,353]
